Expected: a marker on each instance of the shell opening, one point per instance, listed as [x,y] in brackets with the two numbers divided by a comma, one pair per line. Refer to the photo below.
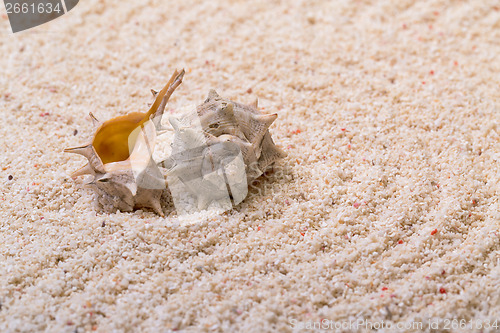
[115,139]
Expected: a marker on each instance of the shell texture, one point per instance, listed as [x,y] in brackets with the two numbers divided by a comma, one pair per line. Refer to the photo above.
[244,125]
[218,149]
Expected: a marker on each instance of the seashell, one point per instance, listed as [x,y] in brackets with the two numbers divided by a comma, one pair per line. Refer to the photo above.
[120,156]
[218,150]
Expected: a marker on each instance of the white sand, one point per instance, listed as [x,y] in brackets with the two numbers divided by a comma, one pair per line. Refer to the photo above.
[398,110]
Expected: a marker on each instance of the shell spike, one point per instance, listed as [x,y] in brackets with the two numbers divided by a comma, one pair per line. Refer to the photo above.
[85,170]
[270,152]
[267,119]
[259,125]
[158,107]
[212,94]
[157,208]
[89,152]
[263,123]
[81,150]
[154,92]
[155,205]
[95,121]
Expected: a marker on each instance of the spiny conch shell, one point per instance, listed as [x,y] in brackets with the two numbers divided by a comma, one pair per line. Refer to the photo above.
[120,157]
[217,151]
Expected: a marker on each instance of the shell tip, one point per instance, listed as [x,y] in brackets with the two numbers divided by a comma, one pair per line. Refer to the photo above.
[95,121]
[212,94]
[255,104]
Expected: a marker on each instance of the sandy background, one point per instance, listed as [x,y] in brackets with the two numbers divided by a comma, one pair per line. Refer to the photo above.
[386,208]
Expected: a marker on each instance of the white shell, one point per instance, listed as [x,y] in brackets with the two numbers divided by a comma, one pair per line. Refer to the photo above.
[218,150]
